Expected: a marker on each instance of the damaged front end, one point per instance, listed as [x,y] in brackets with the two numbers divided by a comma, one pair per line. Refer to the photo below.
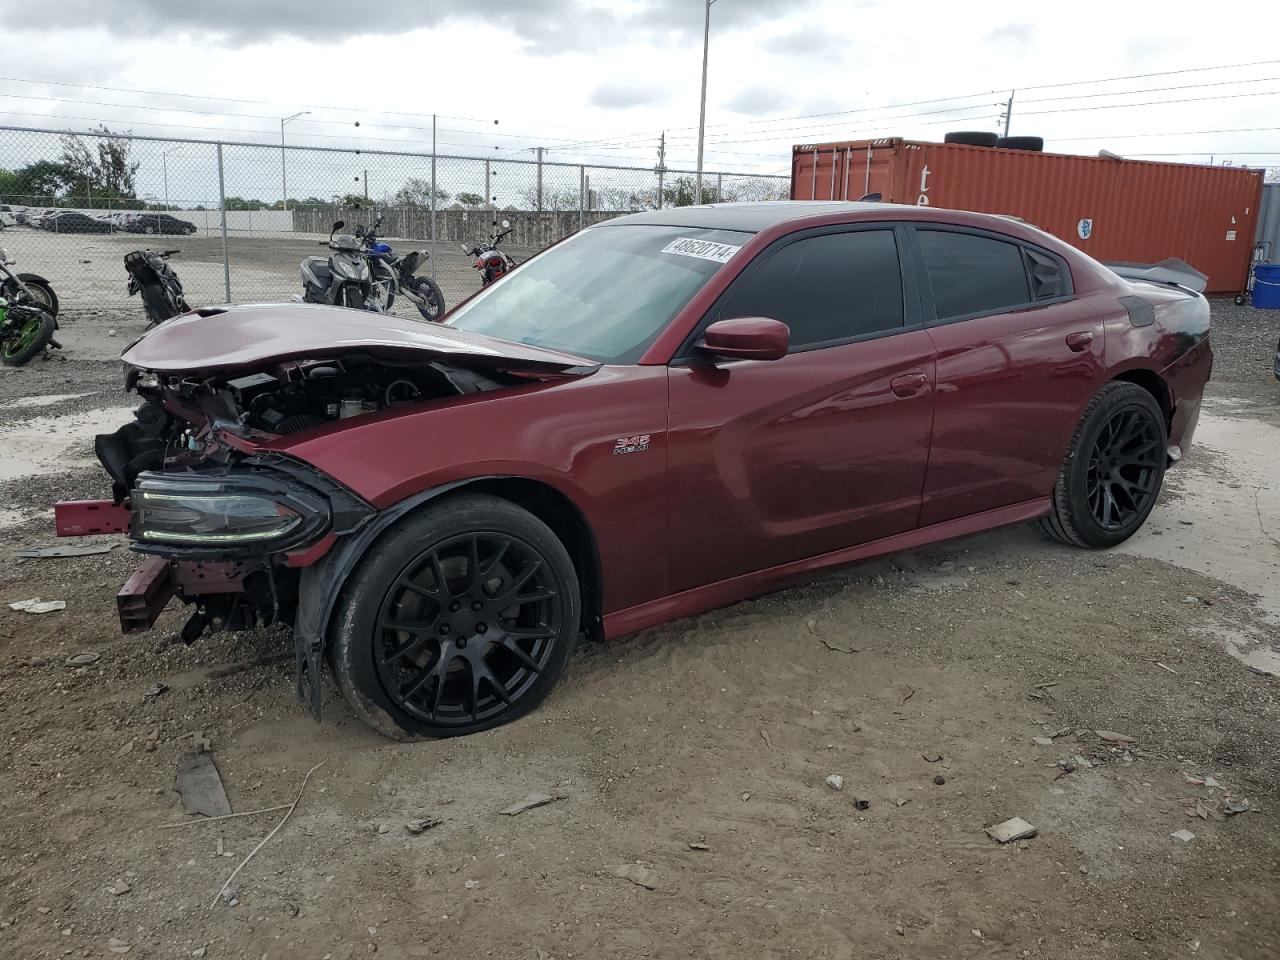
[229,522]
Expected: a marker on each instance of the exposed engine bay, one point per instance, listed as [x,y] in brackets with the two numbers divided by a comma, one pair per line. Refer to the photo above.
[176,425]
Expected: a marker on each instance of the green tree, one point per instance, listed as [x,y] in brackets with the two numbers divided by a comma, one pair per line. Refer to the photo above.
[470,199]
[105,171]
[416,192]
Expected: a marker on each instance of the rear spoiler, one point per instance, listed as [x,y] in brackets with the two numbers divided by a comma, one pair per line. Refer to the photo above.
[1170,271]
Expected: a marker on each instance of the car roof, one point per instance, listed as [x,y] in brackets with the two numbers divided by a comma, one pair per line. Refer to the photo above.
[753,217]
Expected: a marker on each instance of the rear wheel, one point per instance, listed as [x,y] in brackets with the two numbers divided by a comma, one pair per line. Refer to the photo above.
[41,292]
[1114,469]
[432,305]
[148,229]
[460,619]
[27,339]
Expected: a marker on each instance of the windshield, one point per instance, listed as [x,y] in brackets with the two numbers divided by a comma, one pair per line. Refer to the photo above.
[605,293]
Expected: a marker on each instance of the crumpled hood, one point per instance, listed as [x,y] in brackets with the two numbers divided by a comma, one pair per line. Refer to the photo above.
[247,336]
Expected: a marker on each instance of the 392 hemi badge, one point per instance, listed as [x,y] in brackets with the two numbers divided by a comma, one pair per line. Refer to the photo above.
[636,444]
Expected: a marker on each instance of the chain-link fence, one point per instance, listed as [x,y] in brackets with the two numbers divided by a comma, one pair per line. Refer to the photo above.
[243,216]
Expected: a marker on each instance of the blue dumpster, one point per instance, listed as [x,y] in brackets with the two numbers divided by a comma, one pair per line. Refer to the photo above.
[1266,286]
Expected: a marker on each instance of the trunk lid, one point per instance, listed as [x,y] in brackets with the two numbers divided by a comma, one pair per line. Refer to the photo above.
[228,338]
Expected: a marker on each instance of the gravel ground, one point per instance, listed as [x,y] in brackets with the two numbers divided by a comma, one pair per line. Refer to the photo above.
[697,750]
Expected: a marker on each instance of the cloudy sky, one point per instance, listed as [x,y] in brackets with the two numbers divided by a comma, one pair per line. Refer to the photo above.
[598,82]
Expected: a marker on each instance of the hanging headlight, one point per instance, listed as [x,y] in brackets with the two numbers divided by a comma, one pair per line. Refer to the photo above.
[230,513]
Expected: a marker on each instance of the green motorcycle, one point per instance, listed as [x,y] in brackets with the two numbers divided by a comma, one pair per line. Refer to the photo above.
[28,315]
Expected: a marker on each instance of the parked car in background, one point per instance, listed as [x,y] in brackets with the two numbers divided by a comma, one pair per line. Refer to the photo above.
[152,223]
[70,221]
[8,216]
[34,218]
[664,413]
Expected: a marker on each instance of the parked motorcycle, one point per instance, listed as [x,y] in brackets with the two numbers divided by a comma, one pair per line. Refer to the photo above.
[392,275]
[489,260]
[343,278]
[151,274]
[28,314]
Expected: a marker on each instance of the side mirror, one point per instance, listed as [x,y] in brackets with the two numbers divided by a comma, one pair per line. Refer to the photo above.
[506,224]
[746,338]
[338,225]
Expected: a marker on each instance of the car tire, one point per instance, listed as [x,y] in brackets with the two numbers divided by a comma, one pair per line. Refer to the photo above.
[1239,299]
[148,230]
[486,650]
[1114,468]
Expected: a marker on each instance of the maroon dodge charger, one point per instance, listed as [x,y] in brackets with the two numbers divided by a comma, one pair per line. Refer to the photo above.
[662,414]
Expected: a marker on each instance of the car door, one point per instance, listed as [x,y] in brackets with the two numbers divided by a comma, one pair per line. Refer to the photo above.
[774,461]
[1018,358]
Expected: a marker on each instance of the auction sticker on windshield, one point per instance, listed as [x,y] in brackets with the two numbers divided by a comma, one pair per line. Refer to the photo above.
[702,249]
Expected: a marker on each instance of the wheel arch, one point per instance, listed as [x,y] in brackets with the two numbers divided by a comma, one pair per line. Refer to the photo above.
[322,583]
[1154,384]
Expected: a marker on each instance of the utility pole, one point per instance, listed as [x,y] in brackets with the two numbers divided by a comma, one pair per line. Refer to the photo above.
[662,165]
[284,180]
[366,184]
[1008,112]
[433,196]
[702,106]
[539,149]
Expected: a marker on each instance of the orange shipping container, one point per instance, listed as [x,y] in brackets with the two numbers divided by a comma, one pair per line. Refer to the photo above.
[1112,209]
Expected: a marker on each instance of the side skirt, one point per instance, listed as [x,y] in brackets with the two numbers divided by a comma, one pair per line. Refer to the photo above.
[725,592]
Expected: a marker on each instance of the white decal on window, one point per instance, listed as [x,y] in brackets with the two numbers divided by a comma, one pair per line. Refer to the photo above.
[702,249]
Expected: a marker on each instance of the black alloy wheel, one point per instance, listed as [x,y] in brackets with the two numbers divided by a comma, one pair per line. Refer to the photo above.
[459,619]
[1124,468]
[467,627]
[1111,477]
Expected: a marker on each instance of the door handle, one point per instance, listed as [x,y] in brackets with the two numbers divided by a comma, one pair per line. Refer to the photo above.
[908,385]
[1079,342]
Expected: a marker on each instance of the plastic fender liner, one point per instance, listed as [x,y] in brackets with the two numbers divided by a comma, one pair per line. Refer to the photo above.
[322,582]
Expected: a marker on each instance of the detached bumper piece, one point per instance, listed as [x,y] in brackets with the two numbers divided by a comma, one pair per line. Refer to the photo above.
[85,518]
[144,595]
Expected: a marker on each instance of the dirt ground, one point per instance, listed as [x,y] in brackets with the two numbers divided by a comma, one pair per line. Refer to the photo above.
[698,750]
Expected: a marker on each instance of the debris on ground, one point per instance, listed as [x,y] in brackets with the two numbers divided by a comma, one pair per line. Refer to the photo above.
[1186,836]
[939,779]
[116,945]
[201,742]
[701,845]
[119,888]
[155,690]
[1200,780]
[230,896]
[1231,807]
[36,605]
[640,876]
[1112,737]
[85,550]
[838,647]
[200,786]
[421,825]
[528,803]
[471,884]
[1064,767]
[835,781]
[1042,741]
[126,749]
[82,659]
[931,757]
[861,803]
[768,741]
[1015,828]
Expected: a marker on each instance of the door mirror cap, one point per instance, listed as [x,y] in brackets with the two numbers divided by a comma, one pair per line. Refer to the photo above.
[338,225]
[746,338]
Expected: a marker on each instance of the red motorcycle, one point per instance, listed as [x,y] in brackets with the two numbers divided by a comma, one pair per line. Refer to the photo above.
[489,260]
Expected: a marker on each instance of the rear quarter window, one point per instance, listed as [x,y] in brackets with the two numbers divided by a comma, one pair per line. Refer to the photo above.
[972,275]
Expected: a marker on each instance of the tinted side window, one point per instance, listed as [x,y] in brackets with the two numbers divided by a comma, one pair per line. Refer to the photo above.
[831,287]
[971,274]
[1048,275]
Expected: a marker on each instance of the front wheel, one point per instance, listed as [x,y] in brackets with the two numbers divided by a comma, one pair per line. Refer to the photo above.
[460,619]
[1114,468]
[432,305]
[27,339]
[352,297]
